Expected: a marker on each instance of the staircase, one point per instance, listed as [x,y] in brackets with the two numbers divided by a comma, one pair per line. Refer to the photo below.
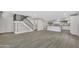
[29,23]
[26,25]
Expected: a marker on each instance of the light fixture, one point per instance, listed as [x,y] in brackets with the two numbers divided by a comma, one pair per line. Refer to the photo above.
[1,12]
[75,14]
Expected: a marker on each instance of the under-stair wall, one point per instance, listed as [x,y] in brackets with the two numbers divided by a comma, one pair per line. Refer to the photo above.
[21,27]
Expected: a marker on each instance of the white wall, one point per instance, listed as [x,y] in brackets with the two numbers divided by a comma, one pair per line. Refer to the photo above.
[6,22]
[74,28]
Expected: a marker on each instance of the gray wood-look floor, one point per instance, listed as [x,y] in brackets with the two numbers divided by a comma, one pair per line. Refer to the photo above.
[39,39]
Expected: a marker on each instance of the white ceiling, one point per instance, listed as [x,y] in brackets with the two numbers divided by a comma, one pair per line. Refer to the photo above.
[45,14]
